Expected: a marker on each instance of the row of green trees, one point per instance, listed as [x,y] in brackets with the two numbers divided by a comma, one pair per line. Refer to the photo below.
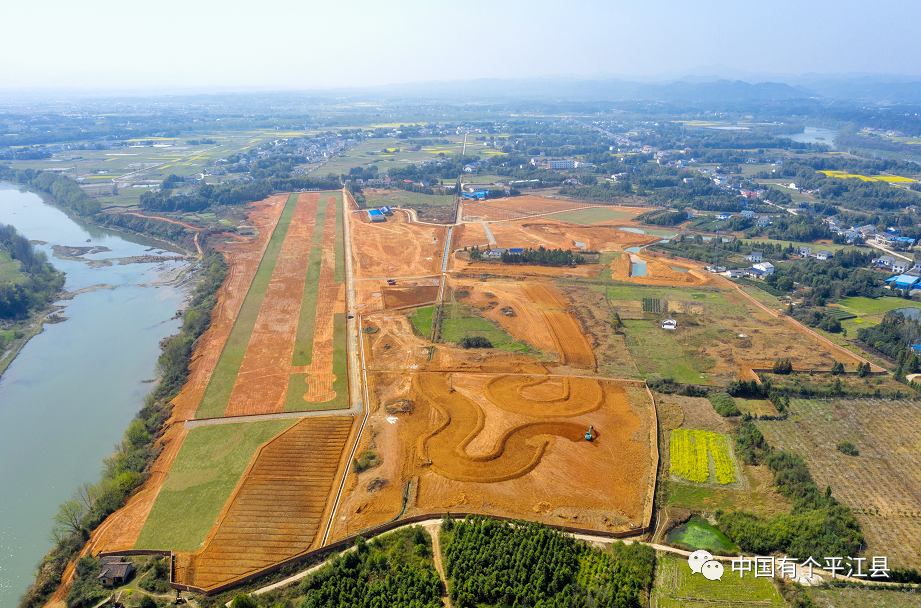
[492,563]
[66,192]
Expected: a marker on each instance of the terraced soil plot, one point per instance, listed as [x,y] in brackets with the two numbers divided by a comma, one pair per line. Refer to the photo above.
[278,509]
[553,234]
[881,483]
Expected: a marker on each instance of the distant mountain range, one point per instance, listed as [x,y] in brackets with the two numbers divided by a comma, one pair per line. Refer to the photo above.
[870,89]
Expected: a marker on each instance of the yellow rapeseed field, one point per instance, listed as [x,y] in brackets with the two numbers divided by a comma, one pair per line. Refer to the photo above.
[868,178]
[691,454]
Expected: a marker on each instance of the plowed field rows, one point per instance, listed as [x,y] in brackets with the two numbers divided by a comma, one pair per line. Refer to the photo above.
[882,483]
[518,206]
[277,511]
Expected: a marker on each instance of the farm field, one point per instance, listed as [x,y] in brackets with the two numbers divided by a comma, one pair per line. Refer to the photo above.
[880,484]
[208,466]
[516,207]
[869,307]
[277,510]
[401,198]
[701,457]
[677,587]
[868,178]
[269,352]
[864,598]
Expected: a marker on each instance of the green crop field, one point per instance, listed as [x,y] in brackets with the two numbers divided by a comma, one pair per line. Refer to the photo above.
[698,533]
[863,307]
[677,587]
[220,386]
[9,269]
[205,472]
[398,198]
[298,383]
[591,216]
[340,243]
[658,352]
[422,320]
[459,322]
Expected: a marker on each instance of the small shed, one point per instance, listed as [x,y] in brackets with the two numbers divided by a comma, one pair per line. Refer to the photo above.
[114,571]
[669,324]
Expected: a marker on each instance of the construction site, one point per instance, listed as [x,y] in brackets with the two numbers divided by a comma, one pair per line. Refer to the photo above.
[358,373]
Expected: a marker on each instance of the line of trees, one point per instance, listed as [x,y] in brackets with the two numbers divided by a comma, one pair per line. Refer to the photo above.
[66,192]
[543,257]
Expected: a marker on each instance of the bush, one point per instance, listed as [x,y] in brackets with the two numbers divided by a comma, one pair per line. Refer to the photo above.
[846,447]
[724,405]
[782,366]
[475,342]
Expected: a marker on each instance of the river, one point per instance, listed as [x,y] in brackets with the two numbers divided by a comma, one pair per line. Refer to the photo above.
[815,135]
[72,391]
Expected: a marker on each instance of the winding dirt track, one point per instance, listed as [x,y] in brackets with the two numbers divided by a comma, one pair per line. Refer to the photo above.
[513,455]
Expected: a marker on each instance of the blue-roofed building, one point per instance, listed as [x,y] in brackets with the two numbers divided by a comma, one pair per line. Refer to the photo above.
[474,195]
[905,239]
[376,215]
[516,250]
[902,281]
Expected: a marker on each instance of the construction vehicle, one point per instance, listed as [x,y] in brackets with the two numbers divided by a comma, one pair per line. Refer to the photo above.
[589,434]
[391,282]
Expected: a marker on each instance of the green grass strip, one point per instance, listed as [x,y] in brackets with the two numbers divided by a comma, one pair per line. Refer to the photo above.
[220,386]
[297,383]
[422,320]
[340,246]
[207,468]
[307,318]
[319,226]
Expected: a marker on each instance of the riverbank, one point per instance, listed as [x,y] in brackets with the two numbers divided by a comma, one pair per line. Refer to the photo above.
[69,390]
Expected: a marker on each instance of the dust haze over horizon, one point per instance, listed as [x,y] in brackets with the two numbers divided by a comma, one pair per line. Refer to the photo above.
[100,45]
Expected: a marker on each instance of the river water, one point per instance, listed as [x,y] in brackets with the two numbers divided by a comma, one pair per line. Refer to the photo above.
[72,391]
[815,135]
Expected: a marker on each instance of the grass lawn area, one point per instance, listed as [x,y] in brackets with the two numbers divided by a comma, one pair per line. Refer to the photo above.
[756,407]
[628,291]
[422,320]
[297,383]
[815,246]
[9,269]
[400,198]
[659,353]
[459,322]
[217,394]
[303,343]
[590,216]
[607,257]
[677,587]
[207,468]
[698,533]
[863,307]
[340,243]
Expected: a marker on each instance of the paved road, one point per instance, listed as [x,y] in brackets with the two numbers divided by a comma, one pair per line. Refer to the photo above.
[489,234]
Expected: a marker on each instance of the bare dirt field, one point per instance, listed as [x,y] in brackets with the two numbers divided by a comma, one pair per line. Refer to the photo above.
[571,344]
[277,509]
[396,249]
[554,234]
[658,272]
[468,235]
[507,445]
[528,205]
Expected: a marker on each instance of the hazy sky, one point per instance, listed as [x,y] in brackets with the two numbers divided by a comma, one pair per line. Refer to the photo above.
[285,44]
